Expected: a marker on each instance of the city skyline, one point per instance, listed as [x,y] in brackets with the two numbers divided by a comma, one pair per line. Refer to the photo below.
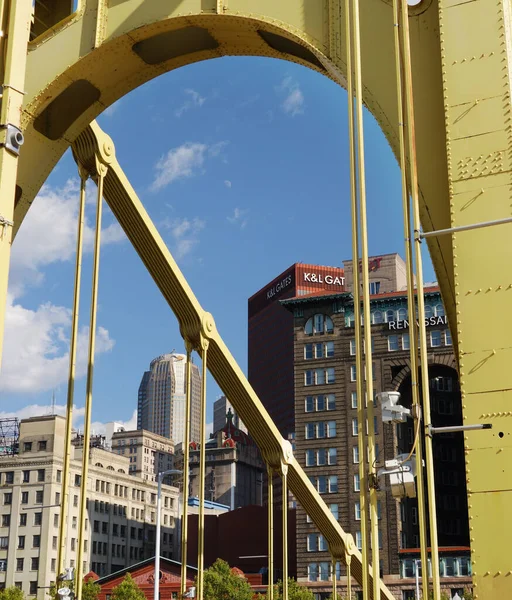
[234,210]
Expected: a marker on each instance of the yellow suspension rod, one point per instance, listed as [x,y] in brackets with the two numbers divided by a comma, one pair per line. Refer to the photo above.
[102,170]
[334,590]
[202,475]
[186,460]
[374,522]
[270,500]
[361,410]
[348,560]
[413,345]
[284,472]
[71,378]
[413,178]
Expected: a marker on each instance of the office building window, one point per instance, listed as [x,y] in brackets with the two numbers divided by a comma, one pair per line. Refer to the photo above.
[353,399]
[40,474]
[318,325]
[439,310]
[6,520]
[357,508]
[393,343]
[59,476]
[322,544]
[34,563]
[9,477]
[26,476]
[435,338]
[406,344]
[33,588]
[313,572]
[352,347]
[23,519]
[39,496]
[42,446]
[38,518]
[312,542]
[355,455]
[8,498]
[357,485]
[374,287]
[36,541]
[355,428]
[353,373]
[429,312]
[401,314]
[359,540]
[54,565]
[447,338]
[333,484]
[24,497]
[390,315]
[27,447]
[19,564]
[308,351]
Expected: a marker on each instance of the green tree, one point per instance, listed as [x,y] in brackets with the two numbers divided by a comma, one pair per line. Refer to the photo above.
[220,583]
[11,593]
[127,590]
[295,591]
[468,595]
[91,590]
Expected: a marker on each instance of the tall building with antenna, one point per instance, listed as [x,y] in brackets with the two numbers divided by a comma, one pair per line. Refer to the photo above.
[161,401]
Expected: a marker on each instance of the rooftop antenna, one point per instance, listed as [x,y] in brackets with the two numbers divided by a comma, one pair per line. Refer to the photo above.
[53,402]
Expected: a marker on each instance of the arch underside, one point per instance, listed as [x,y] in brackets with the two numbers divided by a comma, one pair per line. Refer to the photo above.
[92,58]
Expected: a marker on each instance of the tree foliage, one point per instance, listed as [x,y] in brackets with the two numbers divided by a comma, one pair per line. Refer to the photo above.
[90,590]
[295,591]
[11,593]
[220,583]
[127,590]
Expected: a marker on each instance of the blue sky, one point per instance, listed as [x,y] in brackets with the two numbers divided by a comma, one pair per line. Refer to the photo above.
[243,165]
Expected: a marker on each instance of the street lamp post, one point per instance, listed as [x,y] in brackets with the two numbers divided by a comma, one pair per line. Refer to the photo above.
[160,476]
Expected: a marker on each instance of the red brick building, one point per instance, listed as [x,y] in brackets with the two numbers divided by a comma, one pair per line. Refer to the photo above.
[143,574]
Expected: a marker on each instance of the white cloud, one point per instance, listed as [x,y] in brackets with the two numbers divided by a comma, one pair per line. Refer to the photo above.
[194,100]
[227,183]
[36,356]
[40,410]
[185,234]
[293,104]
[239,217]
[99,428]
[185,161]
[48,235]
[179,163]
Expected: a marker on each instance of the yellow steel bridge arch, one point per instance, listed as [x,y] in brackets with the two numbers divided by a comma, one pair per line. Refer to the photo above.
[78,64]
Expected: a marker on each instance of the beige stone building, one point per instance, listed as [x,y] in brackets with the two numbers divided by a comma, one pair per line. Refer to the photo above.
[121,515]
[148,453]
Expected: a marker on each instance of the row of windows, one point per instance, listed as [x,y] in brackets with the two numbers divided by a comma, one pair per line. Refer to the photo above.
[319,350]
[353,372]
[41,446]
[38,497]
[449,567]
[8,476]
[401,314]
[318,325]
[4,541]
[325,484]
[316,543]
[319,376]
[320,403]
[321,429]
[332,507]
[320,457]
[353,399]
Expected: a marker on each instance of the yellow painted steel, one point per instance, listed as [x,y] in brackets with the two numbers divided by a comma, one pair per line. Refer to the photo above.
[270,532]
[284,480]
[14,25]
[63,523]
[198,326]
[81,63]
[99,174]
[354,212]
[411,304]
[202,470]
[186,471]
[369,453]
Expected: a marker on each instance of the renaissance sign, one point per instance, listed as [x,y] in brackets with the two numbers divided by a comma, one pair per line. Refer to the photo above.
[328,279]
[429,321]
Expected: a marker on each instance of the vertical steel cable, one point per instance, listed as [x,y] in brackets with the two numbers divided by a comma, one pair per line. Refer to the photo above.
[90,373]
[202,474]
[413,178]
[374,522]
[186,460]
[361,411]
[284,469]
[270,587]
[71,377]
[413,345]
